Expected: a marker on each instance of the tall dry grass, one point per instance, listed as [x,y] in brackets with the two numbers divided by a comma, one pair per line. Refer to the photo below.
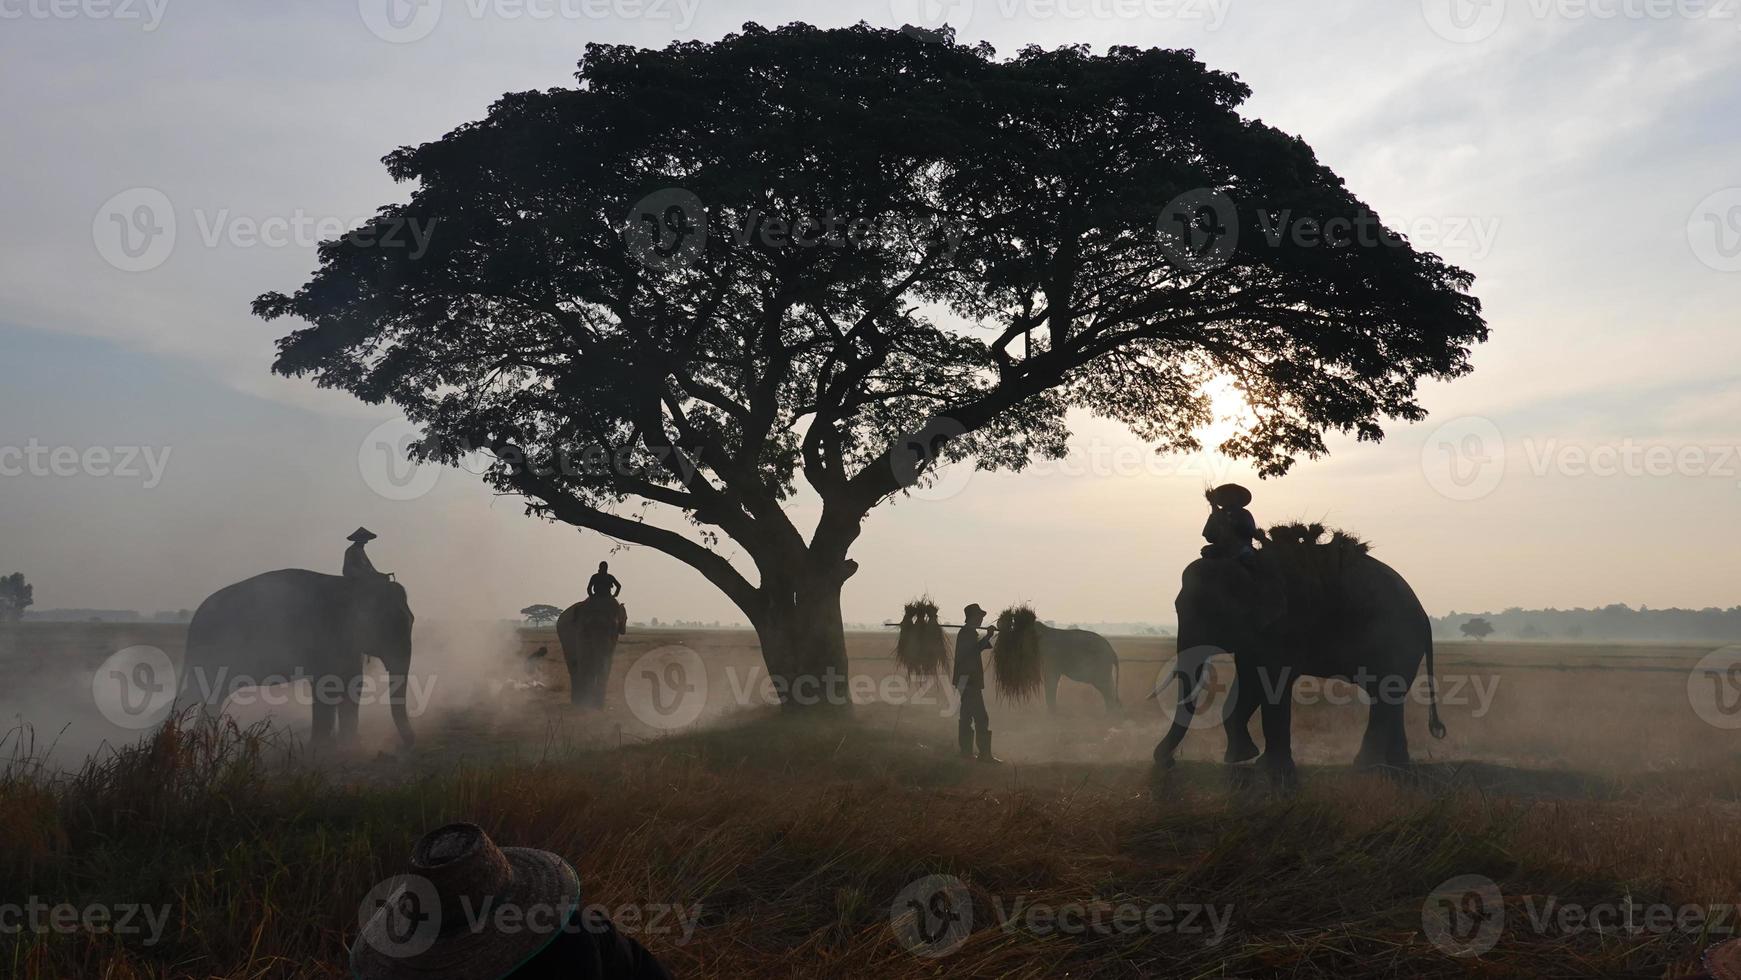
[792,838]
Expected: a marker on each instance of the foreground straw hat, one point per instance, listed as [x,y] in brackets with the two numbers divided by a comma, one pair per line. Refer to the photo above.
[1723,961]
[425,927]
[1230,495]
[362,534]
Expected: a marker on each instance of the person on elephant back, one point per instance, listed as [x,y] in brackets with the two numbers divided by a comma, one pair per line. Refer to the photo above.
[605,586]
[357,563]
[1230,529]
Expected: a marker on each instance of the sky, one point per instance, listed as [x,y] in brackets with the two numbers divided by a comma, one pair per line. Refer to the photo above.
[1579,156]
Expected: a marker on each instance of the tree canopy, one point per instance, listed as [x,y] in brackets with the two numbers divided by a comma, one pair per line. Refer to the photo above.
[710,273]
[16,595]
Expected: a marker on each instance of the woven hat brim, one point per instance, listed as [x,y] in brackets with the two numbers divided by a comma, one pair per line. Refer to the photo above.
[477,951]
[1723,961]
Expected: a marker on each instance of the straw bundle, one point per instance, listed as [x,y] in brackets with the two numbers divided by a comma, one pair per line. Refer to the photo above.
[1016,654]
[920,649]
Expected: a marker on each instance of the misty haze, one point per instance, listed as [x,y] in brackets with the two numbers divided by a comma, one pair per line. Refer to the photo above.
[992,488]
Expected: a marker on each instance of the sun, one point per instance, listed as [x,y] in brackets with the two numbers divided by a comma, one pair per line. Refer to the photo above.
[1230,412]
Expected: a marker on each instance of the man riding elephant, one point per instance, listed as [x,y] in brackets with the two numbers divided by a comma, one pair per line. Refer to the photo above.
[605,585]
[357,563]
[1230,529]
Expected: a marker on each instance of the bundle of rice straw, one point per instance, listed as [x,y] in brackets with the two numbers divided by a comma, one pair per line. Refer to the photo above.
[920,650]
[1016,654]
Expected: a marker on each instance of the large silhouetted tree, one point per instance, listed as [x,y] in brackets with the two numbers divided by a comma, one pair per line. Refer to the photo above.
[710,272]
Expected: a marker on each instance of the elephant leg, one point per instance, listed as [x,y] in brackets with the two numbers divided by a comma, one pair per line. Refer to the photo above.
[347,709]
[1372,743]
[1109,694]
[1052,690]
[1396,742]
[601,675]
[1278,736]
[323,720]
[1246,697]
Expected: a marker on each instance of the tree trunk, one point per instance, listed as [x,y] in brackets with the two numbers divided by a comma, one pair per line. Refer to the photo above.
[804,643]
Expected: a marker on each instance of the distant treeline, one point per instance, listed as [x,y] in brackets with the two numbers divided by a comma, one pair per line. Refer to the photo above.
[1618,622]
[106,616]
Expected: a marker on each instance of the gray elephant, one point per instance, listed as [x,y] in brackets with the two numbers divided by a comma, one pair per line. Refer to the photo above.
[1079,655]
[295,623]
[1302,607]
[588,631]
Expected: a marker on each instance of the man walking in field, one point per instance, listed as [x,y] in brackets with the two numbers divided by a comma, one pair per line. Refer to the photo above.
[970,683]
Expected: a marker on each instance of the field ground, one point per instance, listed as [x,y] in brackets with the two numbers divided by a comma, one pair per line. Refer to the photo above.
[1578,779]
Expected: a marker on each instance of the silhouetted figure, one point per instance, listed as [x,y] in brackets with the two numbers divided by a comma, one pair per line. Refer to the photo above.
[1230,528]
[970,682]
[603,583]
[460,870]
[357,563]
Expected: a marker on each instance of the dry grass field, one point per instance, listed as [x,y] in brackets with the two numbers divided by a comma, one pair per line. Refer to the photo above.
[1577,779]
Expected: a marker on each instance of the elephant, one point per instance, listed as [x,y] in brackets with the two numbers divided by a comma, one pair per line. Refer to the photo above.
[1081,656]
[294,623]
[588,631]
[1302,607]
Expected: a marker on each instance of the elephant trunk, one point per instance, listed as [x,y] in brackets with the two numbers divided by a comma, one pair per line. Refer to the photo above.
[1188,670]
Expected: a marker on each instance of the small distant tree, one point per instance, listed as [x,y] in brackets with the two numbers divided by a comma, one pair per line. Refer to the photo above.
[541,614]
[15,596]
[1477,628]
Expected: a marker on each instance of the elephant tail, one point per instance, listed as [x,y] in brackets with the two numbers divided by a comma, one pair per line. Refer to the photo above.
[1435,727]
